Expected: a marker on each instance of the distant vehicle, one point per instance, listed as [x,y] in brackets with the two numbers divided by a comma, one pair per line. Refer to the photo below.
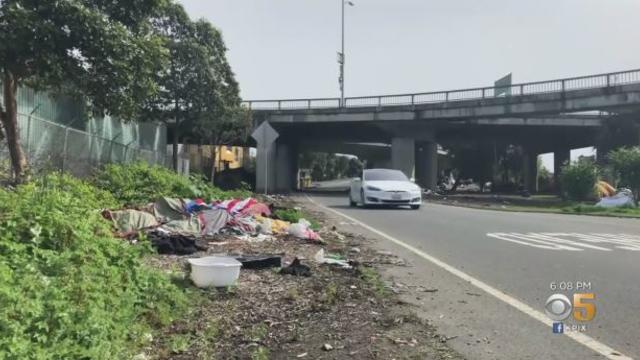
[384,187]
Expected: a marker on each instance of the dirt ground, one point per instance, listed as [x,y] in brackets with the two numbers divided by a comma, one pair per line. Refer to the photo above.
[335,313]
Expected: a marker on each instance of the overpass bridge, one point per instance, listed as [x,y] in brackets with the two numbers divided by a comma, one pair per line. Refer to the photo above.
[600,110]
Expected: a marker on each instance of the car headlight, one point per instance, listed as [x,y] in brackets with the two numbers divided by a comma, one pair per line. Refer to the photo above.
[373,188]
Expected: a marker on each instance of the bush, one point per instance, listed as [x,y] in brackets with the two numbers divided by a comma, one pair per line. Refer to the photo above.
[294,215]
[68,288]
[626,164]
[140,183]
[578,179]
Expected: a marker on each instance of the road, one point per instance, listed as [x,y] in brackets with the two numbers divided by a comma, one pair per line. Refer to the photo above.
[519,254]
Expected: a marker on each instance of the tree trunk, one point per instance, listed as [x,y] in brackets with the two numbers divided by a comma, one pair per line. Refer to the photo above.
[10,124]
[175,145]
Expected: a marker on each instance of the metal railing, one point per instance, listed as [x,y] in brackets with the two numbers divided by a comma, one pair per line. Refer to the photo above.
[531,88]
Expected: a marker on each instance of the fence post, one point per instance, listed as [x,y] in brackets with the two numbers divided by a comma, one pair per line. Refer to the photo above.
[309,104]
[446,97]
[521,89]
[483,89]
[29,138]
[608,80]
[64,147]
[279,105]
[563,86]
[413,99]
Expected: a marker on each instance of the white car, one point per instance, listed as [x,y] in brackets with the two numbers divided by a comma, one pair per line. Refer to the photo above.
[384,187]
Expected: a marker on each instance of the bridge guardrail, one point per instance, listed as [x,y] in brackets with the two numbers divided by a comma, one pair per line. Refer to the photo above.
[531,88]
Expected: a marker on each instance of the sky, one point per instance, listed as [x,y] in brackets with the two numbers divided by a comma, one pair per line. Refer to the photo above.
[288,48]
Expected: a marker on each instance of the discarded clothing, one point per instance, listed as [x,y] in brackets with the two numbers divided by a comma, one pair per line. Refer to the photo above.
[260,262]
[175,244]
[235,206]
[296,269]
[131,220]
[256,209]
[197,205]
[168,209]
[213,220]
[186,226]
[246,224]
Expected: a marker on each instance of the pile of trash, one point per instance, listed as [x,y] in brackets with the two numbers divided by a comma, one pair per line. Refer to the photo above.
[610,197]
[179,226]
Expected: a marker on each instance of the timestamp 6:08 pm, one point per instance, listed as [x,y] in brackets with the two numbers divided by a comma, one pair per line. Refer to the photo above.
[570,285]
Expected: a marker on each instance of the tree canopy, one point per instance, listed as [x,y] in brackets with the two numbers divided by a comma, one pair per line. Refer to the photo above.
[136,60]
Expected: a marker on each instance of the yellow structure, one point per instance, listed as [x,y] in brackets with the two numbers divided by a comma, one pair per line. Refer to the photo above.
[222,157]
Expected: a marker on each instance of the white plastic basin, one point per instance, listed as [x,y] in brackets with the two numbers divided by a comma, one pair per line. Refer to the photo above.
[216,271]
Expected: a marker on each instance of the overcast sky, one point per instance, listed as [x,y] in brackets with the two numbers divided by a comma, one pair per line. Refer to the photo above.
[287,48]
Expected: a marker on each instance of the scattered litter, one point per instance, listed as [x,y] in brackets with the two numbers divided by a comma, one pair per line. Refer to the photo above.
[321,258]
[327,347]
[355,250]
[623,198]
[302,355]
[473,294]
[297,269]
[255,238]
[260,261]
[131,220]
[301,230]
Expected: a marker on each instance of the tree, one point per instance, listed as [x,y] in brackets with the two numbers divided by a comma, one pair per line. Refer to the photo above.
[578,179]
[626,163]
[197,93]
[100,51]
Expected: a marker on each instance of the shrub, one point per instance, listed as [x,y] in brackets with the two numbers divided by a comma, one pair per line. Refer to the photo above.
[294,215]
[68,289]
[578,179]
[139,183]
[626,164]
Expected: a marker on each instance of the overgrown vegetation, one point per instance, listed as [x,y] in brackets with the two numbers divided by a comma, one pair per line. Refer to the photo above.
[140,183]
[625,162]
[68,288]
[578,179]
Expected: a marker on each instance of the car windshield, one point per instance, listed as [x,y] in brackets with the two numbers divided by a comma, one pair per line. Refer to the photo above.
[384,175]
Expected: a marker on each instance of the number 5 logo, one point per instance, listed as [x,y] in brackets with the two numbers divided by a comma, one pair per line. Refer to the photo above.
[584,311]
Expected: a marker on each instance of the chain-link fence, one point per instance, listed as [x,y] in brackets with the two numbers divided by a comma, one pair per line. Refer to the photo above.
[48,145]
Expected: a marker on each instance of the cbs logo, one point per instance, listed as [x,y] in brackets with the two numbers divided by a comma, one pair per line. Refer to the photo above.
[558,307]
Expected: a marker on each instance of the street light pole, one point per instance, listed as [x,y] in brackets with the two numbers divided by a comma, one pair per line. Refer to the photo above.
[341,58]
[342,61]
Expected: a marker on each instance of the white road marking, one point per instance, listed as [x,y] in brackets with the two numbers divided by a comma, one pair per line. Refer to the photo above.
[581,338]
[571,241]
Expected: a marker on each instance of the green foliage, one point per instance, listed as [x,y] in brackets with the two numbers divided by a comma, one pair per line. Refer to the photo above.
[326,166]
[578,179]
[68,288]
[140,183]
[294,215]
[626,164]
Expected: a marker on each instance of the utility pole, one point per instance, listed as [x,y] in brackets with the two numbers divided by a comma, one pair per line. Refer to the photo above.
[341,56]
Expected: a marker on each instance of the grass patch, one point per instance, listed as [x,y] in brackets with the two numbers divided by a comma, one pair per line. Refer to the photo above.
[373,279]
[294,215]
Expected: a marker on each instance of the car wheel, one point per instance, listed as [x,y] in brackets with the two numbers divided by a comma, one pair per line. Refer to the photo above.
[415,207]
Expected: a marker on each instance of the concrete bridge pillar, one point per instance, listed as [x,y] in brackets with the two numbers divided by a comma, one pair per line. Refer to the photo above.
[403,155]
[530,171]
[560,158]
[427,164]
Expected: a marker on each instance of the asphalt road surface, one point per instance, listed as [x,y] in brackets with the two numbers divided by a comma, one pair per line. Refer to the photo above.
[520,255]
